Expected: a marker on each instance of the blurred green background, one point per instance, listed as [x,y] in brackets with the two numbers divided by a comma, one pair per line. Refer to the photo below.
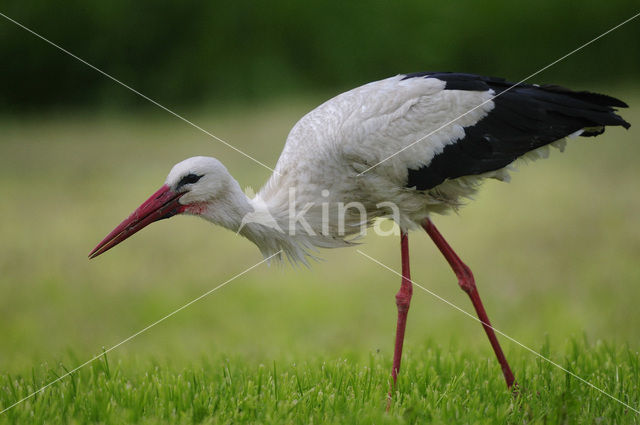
[206,52]
[555,252]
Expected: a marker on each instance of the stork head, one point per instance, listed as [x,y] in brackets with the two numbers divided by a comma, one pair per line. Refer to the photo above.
[193,186]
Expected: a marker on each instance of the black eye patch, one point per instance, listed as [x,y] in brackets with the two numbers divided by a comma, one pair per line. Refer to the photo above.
[188,179]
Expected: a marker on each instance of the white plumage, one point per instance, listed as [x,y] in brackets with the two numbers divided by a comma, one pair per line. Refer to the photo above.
[332,145]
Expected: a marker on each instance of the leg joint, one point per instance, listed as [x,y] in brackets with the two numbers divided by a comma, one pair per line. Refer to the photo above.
[403,298]
[465,278]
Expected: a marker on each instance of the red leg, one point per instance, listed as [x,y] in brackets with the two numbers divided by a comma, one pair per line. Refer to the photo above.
[468,285]
[403,299]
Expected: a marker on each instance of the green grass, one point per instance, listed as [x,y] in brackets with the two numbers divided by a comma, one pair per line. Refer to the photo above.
[555,254]
[436,386]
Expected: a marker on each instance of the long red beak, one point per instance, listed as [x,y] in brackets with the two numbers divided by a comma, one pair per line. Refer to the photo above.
[162,204]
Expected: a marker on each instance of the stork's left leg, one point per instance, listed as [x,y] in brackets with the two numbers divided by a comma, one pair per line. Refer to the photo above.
[403,300]
[468,285]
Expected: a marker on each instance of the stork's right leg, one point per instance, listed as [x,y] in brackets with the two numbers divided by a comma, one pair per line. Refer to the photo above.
[468,285]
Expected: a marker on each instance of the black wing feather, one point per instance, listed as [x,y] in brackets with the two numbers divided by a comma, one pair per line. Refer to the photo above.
[524,118]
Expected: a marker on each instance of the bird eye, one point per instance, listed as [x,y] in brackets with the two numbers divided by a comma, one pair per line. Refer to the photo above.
[188,179]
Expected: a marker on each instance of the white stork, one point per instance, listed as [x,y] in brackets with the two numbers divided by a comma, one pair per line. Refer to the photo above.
[422,142]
